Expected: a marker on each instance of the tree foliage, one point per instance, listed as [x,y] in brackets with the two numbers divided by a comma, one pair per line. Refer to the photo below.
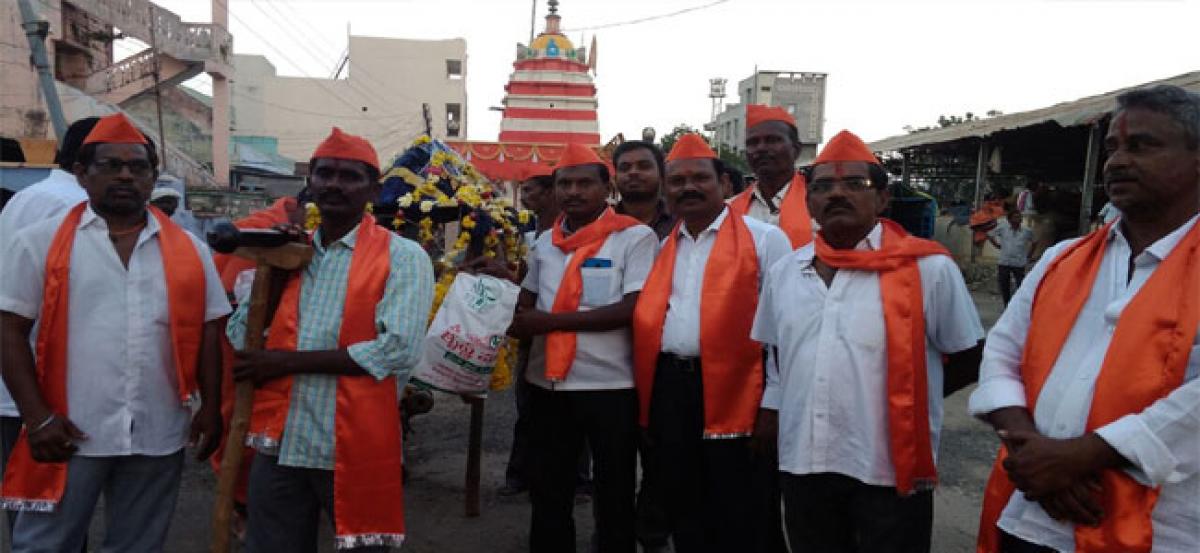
[944,121]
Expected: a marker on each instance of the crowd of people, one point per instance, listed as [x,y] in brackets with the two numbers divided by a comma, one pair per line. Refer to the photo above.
[775,359]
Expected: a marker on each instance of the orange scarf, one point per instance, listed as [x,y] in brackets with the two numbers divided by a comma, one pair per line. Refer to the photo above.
[33,486]
[582,245]
[730,362]
[1145,361]
[367,492]
[904,318]
[794,219]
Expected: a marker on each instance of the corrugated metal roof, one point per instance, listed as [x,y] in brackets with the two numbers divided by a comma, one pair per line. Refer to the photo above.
[1066,114]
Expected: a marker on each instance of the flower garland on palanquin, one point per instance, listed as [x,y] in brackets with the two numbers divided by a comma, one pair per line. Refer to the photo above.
[431,184]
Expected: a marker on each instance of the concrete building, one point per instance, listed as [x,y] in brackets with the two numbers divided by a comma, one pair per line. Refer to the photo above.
[550,96]
[382,97]
[802,94]
[90,81]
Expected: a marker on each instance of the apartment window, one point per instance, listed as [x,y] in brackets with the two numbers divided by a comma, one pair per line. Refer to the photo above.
[765,88]
[454,69]
[453,119]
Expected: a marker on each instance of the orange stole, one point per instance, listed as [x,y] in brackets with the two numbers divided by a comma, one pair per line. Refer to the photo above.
[730,362]
[583,244]
[1145,361]
[33,486]
[367,492]
[794,219]
[904,319]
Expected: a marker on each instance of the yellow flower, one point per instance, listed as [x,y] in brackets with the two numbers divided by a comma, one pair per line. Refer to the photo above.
[523,217]
[405,201]
[426,206]
[468,222]
[423,139]
[312,216]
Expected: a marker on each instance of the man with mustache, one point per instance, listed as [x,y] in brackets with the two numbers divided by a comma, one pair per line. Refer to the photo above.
[128,308]
[576,304]
[1089,377]
[777,196]
[347,326]
[639,176]
[699,375]
[860,320]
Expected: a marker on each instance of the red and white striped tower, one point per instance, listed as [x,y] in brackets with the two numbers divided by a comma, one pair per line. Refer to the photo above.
[551,98]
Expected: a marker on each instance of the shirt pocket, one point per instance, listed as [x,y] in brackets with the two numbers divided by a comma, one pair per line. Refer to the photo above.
[598,275]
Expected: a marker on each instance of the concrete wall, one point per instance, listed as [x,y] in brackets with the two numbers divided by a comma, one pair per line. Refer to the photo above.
[22,111]
[802,94]
[378,97]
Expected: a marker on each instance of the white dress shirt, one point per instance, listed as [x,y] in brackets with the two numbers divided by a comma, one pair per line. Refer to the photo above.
[603,360]
[44,199]
[1162,442]
[761,211]
[122,388]
[830,382]
[681,329]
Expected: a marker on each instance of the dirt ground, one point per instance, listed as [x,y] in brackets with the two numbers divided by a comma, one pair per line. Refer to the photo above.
[436,458]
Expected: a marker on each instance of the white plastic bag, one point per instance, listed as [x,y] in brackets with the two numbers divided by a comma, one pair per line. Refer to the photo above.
[461,346]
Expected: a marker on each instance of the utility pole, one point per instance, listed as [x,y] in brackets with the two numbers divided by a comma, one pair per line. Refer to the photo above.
[36,31]
[162,133]
[532,21]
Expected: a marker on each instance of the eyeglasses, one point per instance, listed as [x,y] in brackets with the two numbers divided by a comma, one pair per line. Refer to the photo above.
[853,184]
[111,166]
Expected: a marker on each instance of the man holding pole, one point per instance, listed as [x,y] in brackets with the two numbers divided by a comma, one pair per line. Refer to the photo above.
[325,424]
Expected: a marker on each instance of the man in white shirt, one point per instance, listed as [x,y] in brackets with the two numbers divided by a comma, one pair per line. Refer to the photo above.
[45,199]
[577,300]
[128,307]
[1089,377]
[1015,244]
[777,196]
[858,322]
[699,375]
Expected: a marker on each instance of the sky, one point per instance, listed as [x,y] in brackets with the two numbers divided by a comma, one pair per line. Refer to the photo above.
[890,63]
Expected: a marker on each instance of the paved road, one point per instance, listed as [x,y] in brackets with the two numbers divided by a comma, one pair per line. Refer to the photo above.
[436,457]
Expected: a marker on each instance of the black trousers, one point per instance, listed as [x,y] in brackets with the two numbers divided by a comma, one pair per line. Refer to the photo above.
[832,513]
[560,422]
[517,472]
[1006,276]
[703,487]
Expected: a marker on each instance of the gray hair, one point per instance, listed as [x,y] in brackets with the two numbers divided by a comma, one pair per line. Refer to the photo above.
[1181,106]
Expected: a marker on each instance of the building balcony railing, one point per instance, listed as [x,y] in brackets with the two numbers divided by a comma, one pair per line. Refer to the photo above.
[191,42]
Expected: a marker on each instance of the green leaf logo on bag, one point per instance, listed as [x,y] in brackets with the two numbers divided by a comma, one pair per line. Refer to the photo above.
[482,295]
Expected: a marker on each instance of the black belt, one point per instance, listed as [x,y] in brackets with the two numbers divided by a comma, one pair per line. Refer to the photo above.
[685,364]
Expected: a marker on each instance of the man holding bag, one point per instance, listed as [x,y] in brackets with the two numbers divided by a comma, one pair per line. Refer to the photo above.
[578,298]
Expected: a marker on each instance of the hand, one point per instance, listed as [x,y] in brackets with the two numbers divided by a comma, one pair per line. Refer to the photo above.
[765,440]
[531,322]
[1078,504]
[261,366]
[484,265]
[295,232]
[1042,467]
[206,431]
[56,442]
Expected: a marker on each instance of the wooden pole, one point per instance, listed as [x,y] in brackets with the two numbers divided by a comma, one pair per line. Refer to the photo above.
[1088,188]
[474,452]
[980,174]
[288,257]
